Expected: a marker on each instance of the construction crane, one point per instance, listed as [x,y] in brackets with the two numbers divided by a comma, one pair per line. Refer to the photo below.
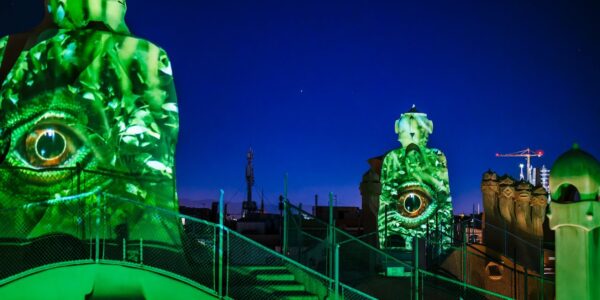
[528,154]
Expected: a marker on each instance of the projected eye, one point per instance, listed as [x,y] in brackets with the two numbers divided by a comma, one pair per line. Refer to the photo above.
[413,203]
[49,146]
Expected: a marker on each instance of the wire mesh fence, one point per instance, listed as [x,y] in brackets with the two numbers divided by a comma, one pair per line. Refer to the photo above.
[352,261]
[467,269]
[133,219]
[434,286]
[308,241]
[32,235]
[483,269]
[504,262]
[140,228]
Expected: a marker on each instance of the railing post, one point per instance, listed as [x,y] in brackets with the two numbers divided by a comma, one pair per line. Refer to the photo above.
[141,251]
[337,271]
[81,204]
[98,216]
[464,256]
[299,233]
[416,267]
[174,183]
[284,249]
[220,267]
[515,272]
[542,260]
[331,235]
[214,257]
[385,232]
[78,170]
[526,292]
[104,226]
[227,266]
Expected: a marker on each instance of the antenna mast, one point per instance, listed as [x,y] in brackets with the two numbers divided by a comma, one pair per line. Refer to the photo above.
[249,206]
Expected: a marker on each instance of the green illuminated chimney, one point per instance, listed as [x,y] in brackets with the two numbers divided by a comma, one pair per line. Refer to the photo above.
[73,14]
[575,217]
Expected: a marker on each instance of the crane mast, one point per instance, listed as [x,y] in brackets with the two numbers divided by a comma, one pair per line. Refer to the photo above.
[527,154]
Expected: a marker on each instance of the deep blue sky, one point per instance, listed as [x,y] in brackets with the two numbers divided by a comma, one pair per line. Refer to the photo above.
[315,86]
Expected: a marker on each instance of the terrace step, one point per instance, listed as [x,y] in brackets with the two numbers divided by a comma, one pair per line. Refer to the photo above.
[265,282]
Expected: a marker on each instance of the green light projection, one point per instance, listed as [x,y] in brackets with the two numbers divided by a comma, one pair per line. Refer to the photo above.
[415,192]
[83,92]
[574,216]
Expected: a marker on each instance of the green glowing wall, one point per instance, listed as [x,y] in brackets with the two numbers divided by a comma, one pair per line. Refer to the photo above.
[415,192]
[575,217]
[83,91]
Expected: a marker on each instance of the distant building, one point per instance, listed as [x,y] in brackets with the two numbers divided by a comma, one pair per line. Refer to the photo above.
[263,228]
[470,225]
[198,212]
[347,218]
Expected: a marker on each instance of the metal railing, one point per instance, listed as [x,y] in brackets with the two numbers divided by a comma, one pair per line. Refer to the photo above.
[356,261]
[143,228]
[96,227]
[518,260]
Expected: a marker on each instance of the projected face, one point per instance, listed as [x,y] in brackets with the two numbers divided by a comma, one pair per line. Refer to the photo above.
[77,13]
[413,128]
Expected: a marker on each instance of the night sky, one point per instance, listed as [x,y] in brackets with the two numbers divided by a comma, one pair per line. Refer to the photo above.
[314,87]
